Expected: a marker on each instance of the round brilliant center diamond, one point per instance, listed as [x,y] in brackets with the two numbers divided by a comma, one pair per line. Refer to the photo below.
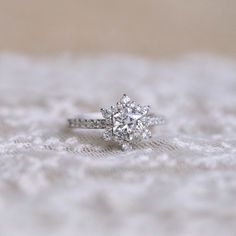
[128,122]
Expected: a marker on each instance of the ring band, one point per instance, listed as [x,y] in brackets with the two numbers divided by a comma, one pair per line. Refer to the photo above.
[88,123]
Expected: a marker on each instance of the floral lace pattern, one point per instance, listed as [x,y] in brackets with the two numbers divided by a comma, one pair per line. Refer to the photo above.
[57,181]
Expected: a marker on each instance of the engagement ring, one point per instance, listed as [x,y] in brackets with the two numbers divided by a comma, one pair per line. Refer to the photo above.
[126,123]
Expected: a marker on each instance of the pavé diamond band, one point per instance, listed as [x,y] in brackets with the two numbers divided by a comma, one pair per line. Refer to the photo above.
[126,123]
[86,123]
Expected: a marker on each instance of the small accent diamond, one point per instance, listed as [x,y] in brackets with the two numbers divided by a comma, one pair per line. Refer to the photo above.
[125,99]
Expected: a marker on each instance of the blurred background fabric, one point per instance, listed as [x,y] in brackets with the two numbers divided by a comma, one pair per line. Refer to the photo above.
[156,28]
[62,58]
[56,181]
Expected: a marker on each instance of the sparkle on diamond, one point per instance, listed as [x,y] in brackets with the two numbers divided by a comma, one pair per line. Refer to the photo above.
[128,122]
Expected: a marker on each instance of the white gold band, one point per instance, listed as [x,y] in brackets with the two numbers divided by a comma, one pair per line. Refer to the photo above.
[84,122]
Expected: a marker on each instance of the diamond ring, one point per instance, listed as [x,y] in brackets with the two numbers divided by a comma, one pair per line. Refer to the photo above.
[126,123]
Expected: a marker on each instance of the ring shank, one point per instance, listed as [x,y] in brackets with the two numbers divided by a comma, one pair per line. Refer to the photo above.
[88,123]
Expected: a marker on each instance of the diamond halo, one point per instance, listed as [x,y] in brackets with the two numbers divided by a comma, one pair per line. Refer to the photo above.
[127,123]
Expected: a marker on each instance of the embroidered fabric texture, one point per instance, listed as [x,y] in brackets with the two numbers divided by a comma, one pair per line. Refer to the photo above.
[56,181]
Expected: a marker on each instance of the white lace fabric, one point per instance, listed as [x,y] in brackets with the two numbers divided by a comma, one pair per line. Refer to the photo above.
[56,181]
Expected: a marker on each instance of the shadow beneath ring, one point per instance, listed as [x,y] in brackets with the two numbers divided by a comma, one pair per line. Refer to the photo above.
[93,144]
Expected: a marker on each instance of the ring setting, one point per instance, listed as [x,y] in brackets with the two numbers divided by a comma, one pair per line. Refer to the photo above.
[126,123]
